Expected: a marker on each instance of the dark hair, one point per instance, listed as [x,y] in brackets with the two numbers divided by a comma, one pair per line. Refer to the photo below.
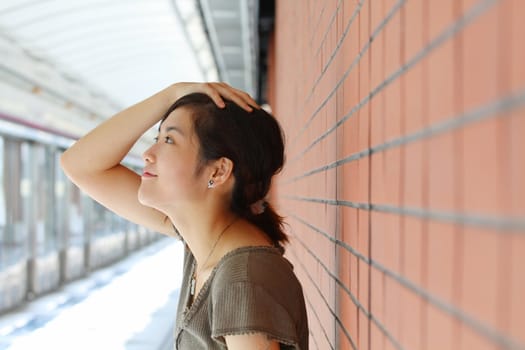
[253,141]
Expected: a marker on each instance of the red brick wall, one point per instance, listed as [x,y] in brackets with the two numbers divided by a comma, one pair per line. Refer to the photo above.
[404,187]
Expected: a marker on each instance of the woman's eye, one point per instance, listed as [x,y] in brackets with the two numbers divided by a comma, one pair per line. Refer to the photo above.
[156,139]
[167,139]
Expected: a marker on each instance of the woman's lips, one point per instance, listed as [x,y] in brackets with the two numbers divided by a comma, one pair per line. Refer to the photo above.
[148,174]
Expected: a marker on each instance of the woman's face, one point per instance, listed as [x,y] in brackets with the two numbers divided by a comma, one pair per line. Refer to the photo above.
[169,178]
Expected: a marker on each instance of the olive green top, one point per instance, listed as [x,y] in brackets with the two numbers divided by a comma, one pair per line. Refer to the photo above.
[250,290]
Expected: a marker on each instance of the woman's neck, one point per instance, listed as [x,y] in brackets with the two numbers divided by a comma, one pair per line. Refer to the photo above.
[204,233]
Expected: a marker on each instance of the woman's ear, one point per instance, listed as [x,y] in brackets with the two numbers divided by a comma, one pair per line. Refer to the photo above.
[222,170]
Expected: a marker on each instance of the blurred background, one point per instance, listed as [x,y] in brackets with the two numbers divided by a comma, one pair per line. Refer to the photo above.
[403,190]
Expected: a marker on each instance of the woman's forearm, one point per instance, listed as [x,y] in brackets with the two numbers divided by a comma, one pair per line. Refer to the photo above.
[106,145]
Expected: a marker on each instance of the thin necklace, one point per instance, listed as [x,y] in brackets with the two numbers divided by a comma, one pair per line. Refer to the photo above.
[193,282]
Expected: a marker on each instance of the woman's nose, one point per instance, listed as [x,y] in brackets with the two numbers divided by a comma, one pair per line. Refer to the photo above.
[148,155]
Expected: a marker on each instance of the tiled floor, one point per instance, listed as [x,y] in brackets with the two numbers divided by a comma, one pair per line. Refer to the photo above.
[130,305]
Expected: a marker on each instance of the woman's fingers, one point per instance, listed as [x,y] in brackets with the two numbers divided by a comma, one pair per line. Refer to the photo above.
[247,98]
[214,94]
[220,91]
[239,97]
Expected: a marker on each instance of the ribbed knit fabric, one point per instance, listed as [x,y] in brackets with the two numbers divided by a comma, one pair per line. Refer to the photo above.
[250,290]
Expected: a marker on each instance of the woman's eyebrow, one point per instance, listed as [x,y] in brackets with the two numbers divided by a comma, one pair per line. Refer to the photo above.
[174,128]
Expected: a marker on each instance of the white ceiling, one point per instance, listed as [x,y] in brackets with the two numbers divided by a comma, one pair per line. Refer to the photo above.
[232,25]
[67,65]
[124,49]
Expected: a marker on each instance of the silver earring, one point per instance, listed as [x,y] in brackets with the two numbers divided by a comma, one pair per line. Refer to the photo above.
[211,183]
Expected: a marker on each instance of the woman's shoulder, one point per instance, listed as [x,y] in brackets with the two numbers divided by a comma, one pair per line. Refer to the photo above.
[255,290]
[264,266]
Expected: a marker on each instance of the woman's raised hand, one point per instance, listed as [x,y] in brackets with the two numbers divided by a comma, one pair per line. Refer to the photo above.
[96,168]
[217,91]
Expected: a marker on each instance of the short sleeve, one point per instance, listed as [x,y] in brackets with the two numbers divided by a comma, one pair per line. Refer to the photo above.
[244,307]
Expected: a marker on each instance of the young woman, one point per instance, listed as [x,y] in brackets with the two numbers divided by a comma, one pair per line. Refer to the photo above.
[205,179]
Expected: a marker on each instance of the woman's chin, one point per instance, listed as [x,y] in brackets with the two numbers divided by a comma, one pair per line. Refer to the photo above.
[144,199]
[147,201]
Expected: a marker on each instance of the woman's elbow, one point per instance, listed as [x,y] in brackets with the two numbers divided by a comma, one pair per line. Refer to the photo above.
[69,164]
